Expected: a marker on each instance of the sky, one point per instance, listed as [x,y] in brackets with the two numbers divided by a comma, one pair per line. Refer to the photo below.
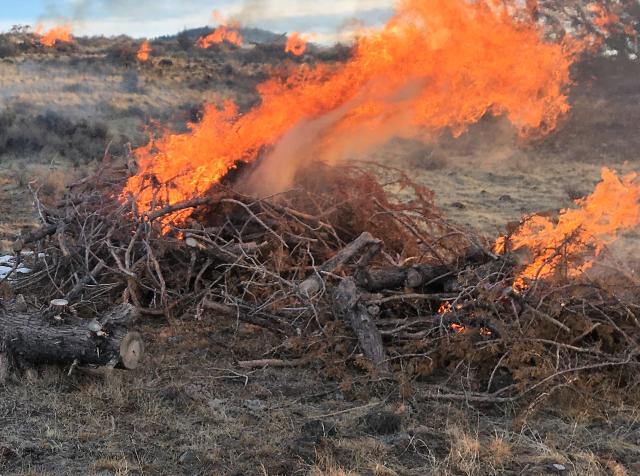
[330,20]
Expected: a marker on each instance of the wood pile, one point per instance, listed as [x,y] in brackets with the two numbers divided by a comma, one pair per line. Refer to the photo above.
[343,272]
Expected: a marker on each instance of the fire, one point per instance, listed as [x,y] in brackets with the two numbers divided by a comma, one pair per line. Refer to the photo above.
[226,31]
[219,35]
[144,51]
[296,44]
[603,18]
[579,235]
[459,329]
[445,308]
[437,64]
[57,34]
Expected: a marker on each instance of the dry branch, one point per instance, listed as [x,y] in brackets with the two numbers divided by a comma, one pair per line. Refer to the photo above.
[355,312]
[266,262]
[313,284]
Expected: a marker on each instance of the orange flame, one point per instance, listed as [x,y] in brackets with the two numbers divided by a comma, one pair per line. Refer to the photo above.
[459,329]
[144,52]
[57,34]
[445,308]
[296,44]
[220,35]
[581,234]
[226,31]
[437,64]
[603,18]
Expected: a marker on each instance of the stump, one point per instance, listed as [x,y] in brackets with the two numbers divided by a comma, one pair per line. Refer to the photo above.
[39,339]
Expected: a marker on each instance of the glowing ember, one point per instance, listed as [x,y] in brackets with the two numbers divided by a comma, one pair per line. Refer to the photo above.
[437,64]
[226,31]
[296,44]
[445,308]
[57,34]
[459,329]
[144,52]
[571,243]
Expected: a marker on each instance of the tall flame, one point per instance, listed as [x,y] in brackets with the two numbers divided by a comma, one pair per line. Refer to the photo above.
[296,44]
[437,64]
[57,34]
[580,234]
[144,51]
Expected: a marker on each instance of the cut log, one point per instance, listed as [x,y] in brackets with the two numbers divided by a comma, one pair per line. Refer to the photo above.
[313,284]
[355,312]
[434,277]
[380,279]
[36,339]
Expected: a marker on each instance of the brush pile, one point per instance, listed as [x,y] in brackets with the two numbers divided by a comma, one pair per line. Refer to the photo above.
[344,272]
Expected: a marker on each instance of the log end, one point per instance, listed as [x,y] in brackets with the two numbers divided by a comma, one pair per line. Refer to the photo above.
[131,351]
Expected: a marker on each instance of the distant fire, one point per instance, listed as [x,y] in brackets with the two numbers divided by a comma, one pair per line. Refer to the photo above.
[220,35]
[225,32]
[437,64]
[603,18]
[57,34]
[296,44]
[144,52]
[571,243]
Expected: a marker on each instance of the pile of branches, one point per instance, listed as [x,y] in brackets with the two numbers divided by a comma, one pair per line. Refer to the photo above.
[345,272]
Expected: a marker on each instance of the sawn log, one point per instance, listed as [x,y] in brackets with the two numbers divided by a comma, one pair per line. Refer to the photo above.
[42,339]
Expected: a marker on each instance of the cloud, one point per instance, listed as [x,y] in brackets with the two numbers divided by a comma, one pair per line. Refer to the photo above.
[151,18]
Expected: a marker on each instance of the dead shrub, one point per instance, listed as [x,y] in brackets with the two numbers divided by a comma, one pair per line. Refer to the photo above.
[51,135]
[123,54]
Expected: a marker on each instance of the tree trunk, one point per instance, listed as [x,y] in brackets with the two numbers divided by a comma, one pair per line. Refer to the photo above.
[39,339]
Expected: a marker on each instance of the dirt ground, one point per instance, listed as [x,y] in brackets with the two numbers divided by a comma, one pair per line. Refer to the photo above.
[192,410]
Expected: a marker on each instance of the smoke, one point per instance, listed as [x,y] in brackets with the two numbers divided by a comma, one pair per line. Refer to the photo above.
[79,10]
[321,139]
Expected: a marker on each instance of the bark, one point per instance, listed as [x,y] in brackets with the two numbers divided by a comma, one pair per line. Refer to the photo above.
[355,312]
[39,339]
[313,284]
[433,277]
[379,279]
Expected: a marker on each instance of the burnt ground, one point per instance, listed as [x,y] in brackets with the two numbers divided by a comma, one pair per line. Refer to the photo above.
[191,409]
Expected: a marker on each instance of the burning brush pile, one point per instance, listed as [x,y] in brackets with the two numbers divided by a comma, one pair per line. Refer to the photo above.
[257,217]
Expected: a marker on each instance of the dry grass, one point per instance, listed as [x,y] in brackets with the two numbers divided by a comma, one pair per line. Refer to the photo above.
[183,401]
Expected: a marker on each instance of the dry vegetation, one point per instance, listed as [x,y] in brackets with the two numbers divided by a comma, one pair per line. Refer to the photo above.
[191,409]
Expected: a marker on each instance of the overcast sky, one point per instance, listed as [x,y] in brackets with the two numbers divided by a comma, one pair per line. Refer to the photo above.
[330,19]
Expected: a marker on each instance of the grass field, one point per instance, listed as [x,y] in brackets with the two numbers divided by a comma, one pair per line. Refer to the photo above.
[190,409]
